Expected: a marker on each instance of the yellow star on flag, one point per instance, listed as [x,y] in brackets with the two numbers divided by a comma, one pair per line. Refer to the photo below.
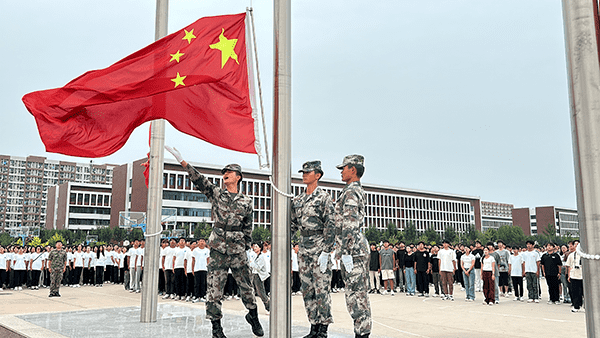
[226,47]
[179,80]
[176,56]
[189,36]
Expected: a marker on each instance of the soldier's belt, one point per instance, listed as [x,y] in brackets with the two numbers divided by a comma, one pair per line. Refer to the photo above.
[308,233]
[229,228]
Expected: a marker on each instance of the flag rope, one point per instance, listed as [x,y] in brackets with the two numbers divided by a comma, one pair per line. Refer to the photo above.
[585,255]
[279,191]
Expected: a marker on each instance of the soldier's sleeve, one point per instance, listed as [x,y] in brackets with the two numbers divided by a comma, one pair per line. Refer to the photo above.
[329,230]
[201,182]
[349,223]
[294,225]
[247,226]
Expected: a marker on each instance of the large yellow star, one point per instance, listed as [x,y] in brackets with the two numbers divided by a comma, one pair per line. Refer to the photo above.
[179,80]
[226,47]
[176,56]
[189,36]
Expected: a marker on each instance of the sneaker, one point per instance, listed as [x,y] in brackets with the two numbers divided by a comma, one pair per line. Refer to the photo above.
[137,291]
[426,295]
[236,297]
[462,289]
[20,288]
[521,299]
[342,290]
[452,298]
[392,292]
[537,300]
[421,295]
[230,298]
[173,296]
[491,303]
[557,303]
[497,302]
[195,300]
[550,302]
[436,295]
[203,300]
[443,297]
[384,292]
[470,300]
[166,296]
[516,298]
[530,301]
[187,299]
[574,310]
[485,303]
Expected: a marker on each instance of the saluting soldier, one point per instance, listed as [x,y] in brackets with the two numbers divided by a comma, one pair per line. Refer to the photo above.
[230,238]
[57,262]
[352,246]
[312,214]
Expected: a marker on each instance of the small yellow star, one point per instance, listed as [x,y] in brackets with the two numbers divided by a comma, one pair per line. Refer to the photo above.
[176,56]
[189,36]
[179,80]
[226,47]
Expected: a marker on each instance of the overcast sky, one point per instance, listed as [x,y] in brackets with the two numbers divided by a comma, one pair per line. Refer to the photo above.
[456,96]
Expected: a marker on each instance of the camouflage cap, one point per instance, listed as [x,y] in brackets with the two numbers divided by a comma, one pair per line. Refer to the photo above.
[232,167]
[352,159]
[311,166]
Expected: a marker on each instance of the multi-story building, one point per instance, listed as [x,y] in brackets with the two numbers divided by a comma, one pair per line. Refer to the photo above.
[78,206]
[536,220]
[385,204]
[494,215]
[24,184]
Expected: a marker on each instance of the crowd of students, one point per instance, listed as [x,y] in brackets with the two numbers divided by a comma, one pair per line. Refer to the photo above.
[496,270]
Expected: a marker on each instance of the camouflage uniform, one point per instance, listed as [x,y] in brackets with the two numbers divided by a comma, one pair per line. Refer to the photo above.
[349,219]
[230,238]
[313,216]
[58,259]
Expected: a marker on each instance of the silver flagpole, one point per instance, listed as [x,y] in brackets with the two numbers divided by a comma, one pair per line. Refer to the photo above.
[149,304]
[584,84]
[280,321]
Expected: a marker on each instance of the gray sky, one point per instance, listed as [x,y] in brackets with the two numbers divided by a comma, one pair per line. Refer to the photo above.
[457,96]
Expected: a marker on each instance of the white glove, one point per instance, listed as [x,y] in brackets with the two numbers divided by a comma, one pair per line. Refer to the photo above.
[348,264]
[175,153]
[323,260]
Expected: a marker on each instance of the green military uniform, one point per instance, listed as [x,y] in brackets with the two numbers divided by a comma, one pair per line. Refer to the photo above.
[350,242]
[58,261]
[312,214]
[230,238]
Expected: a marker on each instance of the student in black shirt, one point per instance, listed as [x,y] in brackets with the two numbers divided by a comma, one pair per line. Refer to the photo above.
[478,253]
[435,270]
[422,267]
[374,269]
[409,271]
[551,263]
[400,253]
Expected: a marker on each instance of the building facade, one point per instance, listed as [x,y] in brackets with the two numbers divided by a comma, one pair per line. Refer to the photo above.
[24,184]
[385,205]
[494,215]
[534,221]
[78,206]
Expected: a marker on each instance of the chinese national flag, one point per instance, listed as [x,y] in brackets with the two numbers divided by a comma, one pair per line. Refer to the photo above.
[195,78]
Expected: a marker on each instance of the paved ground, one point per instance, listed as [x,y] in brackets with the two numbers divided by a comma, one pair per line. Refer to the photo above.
[112,312]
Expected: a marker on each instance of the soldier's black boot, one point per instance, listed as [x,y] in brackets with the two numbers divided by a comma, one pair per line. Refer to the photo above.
[314,330]
[322,331]
[217,329]
[252,319]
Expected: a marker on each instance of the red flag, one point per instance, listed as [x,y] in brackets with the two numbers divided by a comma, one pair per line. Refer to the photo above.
[195,78]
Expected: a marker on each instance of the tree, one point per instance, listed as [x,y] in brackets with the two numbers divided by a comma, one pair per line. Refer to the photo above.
[511,235]
[490,235]
[260,234]
[473,234]
[450,234]
[391,231]
[373,235]
[410,232]
[202,230]
[431,236]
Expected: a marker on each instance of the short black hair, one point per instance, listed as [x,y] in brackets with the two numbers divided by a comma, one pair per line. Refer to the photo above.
[530,242]
[360,169]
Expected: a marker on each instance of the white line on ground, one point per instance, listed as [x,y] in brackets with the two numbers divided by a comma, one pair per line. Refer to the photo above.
[395,329]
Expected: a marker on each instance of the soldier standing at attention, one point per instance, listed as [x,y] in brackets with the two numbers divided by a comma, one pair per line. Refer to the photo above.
[230,238]
[312,214]
[57,262]
[352,246]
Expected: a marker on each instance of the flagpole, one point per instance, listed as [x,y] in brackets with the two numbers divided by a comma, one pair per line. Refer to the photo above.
[149,305]
[583,66]
[280,321]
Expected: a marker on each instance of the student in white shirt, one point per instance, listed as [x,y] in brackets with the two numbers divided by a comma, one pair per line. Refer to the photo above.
[447,265]
[488,268]
[167,263]
[100,266]
[134,272]
[78,265]
[3,269]
[201,256]
[189,271]
[20,264]
[259,275]
[36,265]
[467,262]
[161,272]
[179,264]
[295,271]
[516,266]
[532,272]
